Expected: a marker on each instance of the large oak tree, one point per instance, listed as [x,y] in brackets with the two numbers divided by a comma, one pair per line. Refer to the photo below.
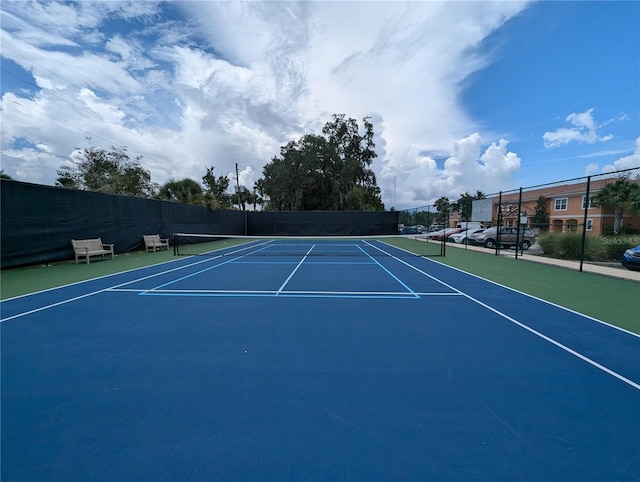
[325,172]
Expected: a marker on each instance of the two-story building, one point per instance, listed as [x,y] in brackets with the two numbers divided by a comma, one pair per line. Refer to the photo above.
[565,204]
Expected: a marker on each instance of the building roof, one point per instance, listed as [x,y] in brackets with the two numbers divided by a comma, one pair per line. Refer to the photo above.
[554,190]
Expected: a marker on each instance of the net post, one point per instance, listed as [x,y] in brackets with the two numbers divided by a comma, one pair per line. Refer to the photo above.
[175,244]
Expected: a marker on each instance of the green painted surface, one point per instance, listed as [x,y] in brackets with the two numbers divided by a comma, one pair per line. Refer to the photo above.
[607,299]
[612,300]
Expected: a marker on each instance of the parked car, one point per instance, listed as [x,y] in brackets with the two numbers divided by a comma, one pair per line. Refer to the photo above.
[631,258]
[462,236]
[410,230]
[436,227]
[470,225]
[443,234]
[508,237]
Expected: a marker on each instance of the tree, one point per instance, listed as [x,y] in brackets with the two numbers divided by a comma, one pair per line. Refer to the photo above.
[540,217]
[465,204]
[185,191]
[215,193]
[329,171]
[4,176]
[620,195]
[634,199]
[442,205]
[96,169]
[258,193]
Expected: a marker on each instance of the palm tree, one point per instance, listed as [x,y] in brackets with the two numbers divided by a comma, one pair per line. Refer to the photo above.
[442,205]
[619,195]
[184,191]
[634,199]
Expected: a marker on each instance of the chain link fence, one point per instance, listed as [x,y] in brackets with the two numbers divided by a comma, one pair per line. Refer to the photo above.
[590,224]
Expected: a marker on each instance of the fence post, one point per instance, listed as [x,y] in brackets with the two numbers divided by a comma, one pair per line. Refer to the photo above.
[584,222]
[499,224]
[518,224]
[443,243]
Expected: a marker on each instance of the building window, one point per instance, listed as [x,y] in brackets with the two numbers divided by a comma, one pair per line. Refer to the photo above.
[592,203]
[589,224]
[561,204]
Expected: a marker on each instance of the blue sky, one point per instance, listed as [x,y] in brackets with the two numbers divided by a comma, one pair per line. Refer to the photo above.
[464,96]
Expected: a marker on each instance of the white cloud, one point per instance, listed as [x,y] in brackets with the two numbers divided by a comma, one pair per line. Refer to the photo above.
[627,162]
[584,129]
[469,168]
[258,75]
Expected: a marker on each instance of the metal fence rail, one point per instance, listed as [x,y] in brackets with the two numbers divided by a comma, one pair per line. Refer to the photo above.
[586,223]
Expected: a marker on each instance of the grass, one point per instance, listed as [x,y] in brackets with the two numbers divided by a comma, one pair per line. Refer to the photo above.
[610,300]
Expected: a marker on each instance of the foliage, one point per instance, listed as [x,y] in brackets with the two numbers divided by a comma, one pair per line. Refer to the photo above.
[96,169]
[184,191]
[614,246]
[540,218]
[442,205]
[324,172]
[465,204]
[634,198]
[569,246]
[215,193]
[621,195]
[415,217]
[242,198]
[4,176]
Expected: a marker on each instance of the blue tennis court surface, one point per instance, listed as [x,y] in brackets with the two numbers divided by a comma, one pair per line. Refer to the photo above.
[312,361]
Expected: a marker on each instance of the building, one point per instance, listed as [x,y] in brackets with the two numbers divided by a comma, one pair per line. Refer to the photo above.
[566,205]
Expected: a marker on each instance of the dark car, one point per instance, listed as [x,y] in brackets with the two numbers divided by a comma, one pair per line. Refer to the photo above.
[410,230]
[507,237]
[631,258]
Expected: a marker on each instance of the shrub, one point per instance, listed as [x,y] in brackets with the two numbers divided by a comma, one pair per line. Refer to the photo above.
[614,246]
[549,244]
[569,246]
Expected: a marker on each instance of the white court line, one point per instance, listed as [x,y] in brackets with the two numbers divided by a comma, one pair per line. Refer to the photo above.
[512,320]
[294,270]
[387,271]
[522,325]
[53,305]
[273,292]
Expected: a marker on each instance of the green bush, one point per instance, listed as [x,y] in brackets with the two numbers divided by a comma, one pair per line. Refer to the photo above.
[614,246]
[549,243]
[569,246]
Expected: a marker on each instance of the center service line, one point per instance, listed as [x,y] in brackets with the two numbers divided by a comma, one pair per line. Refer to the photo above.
[294,271]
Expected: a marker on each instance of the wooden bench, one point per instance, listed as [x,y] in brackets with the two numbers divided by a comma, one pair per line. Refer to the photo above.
[153,242]
[91,247]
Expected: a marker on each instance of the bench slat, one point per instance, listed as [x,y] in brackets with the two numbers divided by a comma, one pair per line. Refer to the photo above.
[153,242]
[91,247]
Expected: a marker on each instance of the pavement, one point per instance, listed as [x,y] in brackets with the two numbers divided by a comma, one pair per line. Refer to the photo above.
[536,254]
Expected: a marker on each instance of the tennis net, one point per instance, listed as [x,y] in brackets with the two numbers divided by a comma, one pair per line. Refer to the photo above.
[186,244]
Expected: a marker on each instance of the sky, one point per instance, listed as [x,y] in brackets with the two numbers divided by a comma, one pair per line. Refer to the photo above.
[464,96]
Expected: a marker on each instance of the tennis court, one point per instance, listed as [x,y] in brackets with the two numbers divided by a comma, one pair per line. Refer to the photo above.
[329,359]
